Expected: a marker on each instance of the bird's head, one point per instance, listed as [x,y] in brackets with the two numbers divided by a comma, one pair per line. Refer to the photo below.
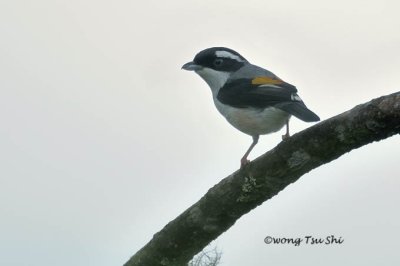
[215,65]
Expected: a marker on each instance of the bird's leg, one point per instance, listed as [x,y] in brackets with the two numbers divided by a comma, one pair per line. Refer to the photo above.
[244,160]
[287,135]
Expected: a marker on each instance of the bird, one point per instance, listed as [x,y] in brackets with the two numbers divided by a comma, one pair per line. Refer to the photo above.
[252,99]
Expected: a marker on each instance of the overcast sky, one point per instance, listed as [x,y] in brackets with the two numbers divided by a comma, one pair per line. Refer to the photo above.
[104,140]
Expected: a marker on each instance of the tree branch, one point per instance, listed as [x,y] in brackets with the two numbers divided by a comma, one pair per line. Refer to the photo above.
[263,178]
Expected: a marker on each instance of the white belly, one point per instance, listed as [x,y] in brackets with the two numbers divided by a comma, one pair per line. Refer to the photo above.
[248,120]
[254,121]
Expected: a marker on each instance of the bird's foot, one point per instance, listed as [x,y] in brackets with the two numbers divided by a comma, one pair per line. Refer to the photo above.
[286,136]
[244,162]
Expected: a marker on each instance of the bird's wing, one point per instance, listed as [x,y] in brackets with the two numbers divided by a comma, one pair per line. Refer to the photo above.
[263,92]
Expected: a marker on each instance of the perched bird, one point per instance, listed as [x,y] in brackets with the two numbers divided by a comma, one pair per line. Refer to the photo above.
[252,99]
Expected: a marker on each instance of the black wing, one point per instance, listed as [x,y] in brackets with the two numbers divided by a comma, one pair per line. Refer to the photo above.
[263,92]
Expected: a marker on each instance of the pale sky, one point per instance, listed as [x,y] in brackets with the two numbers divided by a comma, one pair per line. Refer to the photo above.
[104,139]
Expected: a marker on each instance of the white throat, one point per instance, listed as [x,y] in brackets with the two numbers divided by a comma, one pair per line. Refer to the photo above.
[215,79]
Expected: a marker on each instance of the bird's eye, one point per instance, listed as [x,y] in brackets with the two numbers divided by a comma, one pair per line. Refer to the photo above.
[218,61]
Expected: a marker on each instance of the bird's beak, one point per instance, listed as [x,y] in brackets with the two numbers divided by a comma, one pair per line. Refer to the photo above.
[191,66]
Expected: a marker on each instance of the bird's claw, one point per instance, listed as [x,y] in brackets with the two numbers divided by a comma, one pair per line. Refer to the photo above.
[285,137]
[244,162]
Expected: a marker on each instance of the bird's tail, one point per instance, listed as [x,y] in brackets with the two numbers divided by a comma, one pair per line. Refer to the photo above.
[299,110]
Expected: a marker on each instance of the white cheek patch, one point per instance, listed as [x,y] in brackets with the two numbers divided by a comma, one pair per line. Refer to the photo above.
[215,79]
[226,54]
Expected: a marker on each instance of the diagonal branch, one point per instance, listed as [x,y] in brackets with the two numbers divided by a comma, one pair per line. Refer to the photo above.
[263,178]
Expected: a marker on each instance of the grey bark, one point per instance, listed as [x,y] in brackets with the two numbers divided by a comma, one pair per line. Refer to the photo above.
[263,178]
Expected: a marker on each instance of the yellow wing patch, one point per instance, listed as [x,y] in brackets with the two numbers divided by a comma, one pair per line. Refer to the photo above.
[265,81]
